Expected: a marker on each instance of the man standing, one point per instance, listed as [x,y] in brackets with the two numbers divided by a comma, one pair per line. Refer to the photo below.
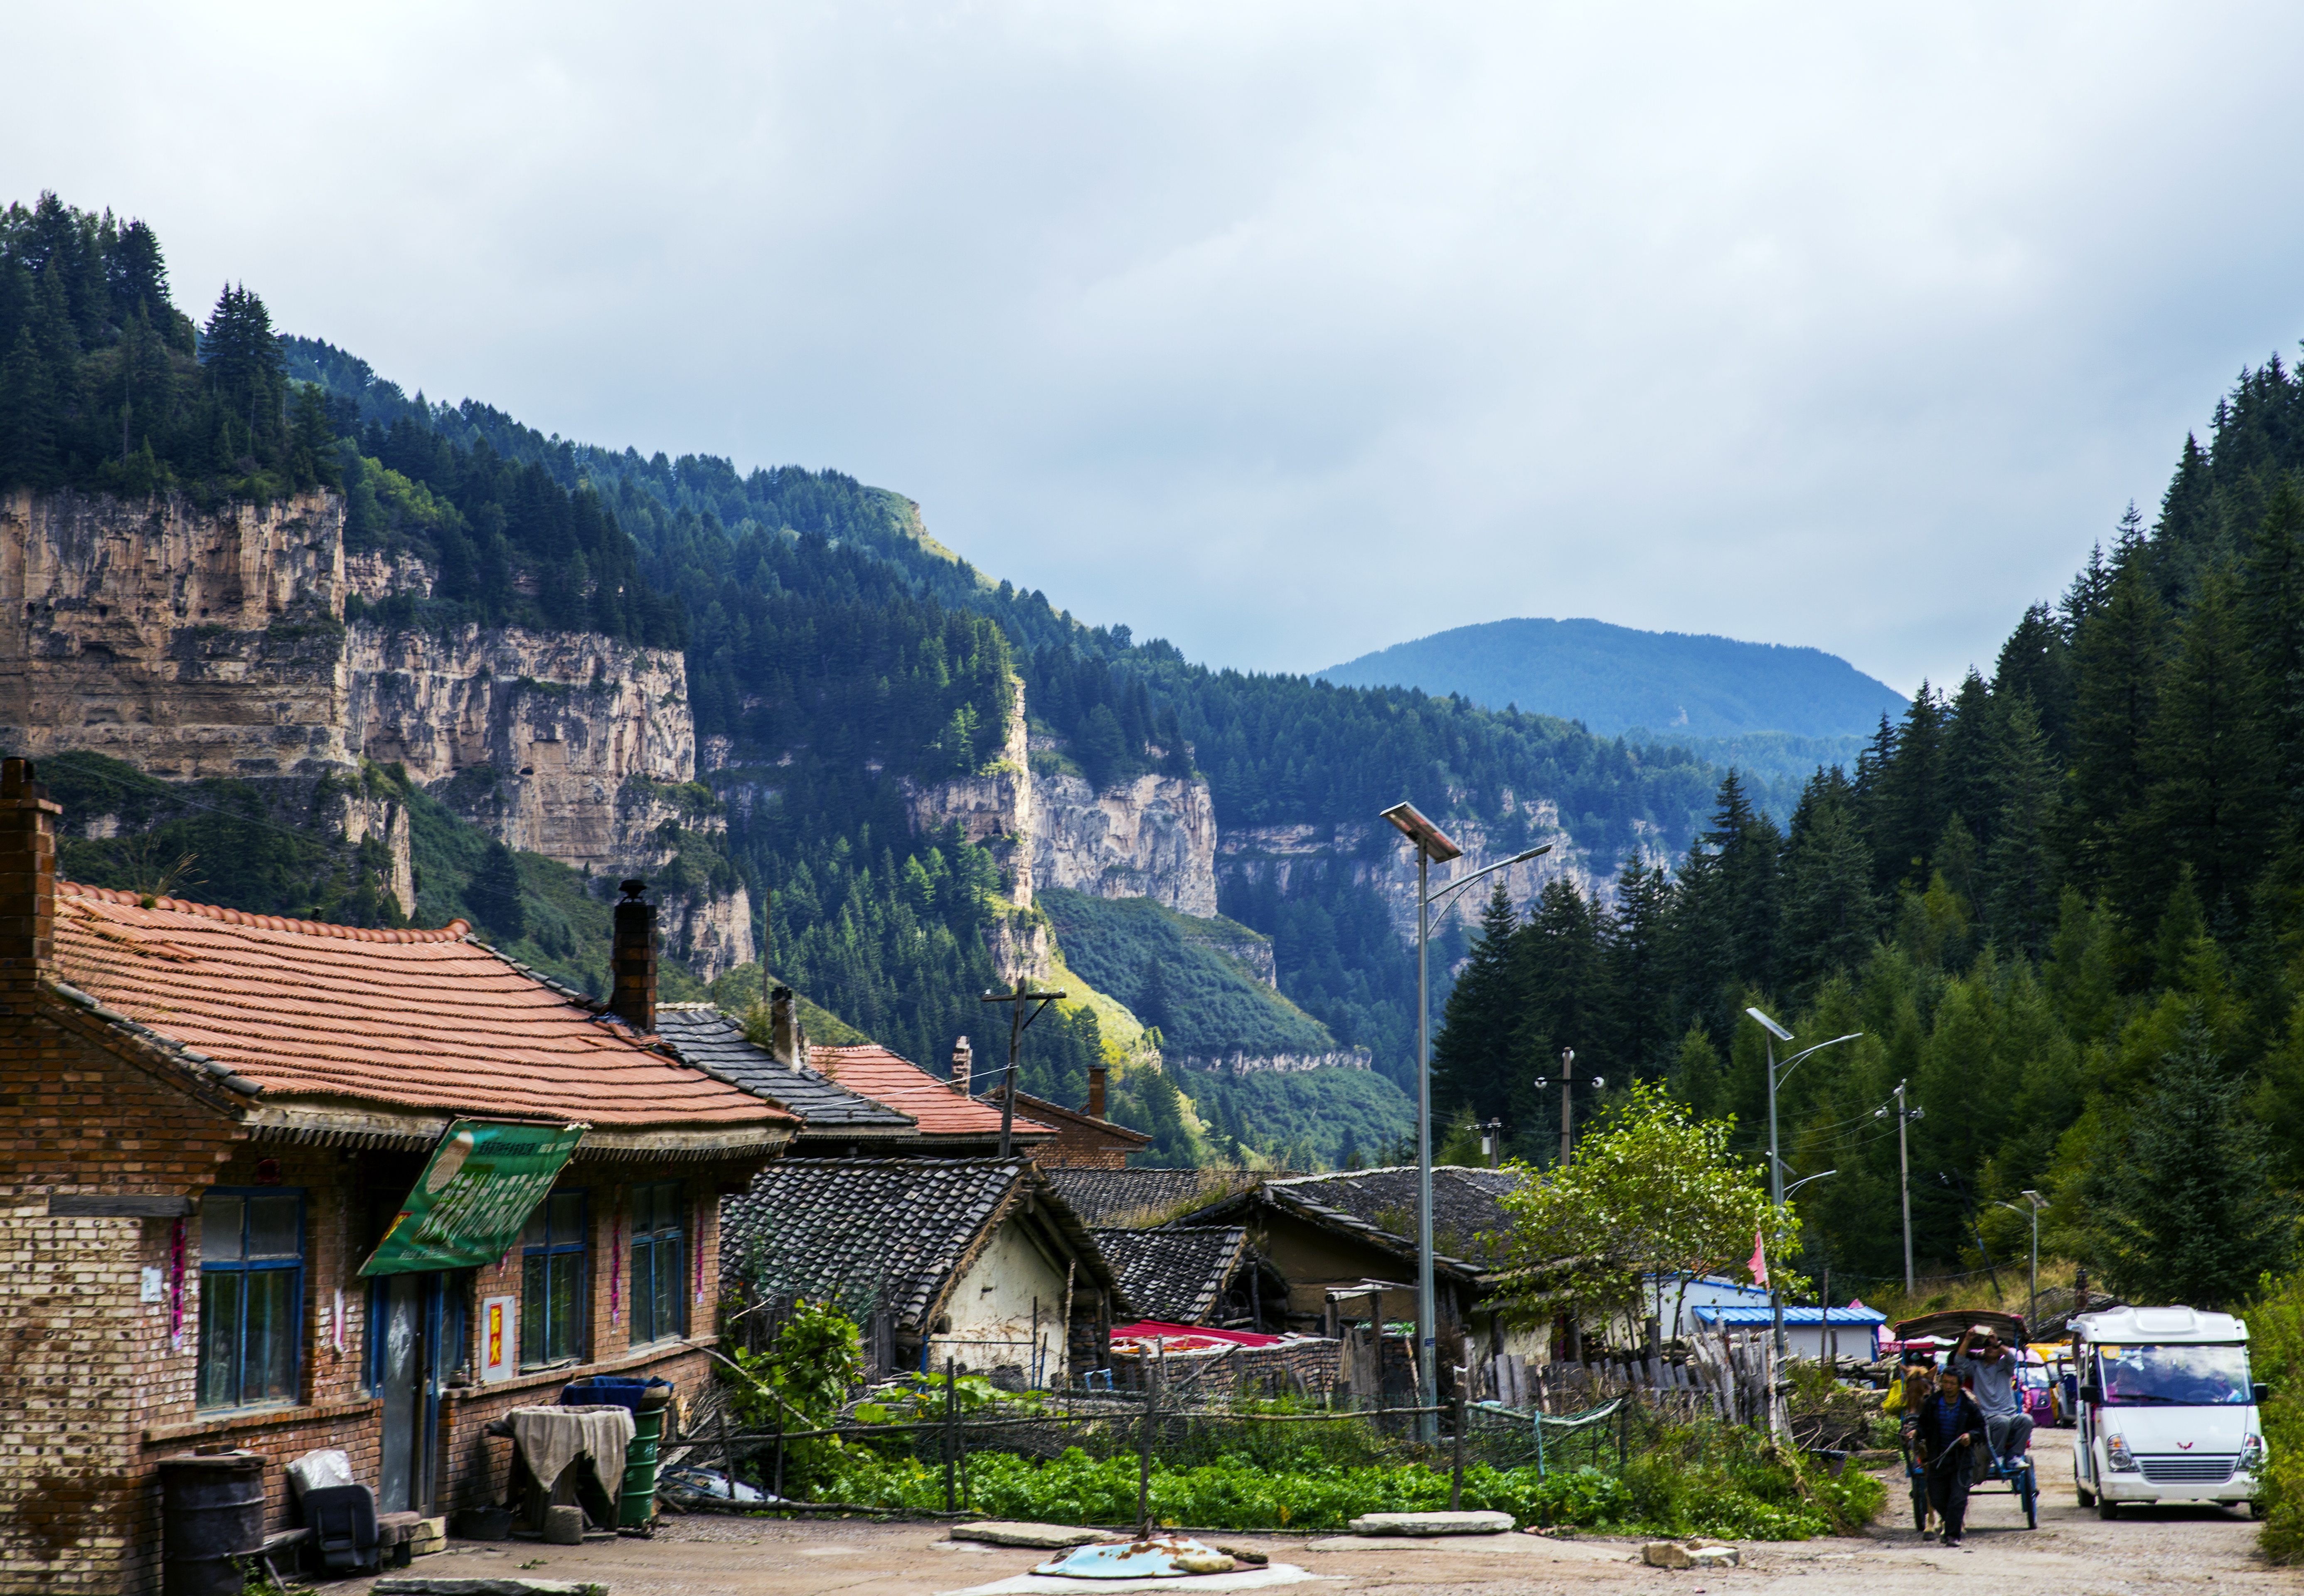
[1948,1429]
[1990,1372]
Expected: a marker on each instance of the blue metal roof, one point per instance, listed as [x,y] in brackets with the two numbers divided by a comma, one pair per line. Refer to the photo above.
[1721,1313]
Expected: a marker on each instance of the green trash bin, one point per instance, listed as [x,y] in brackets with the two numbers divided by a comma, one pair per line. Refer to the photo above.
[648,1399]
[638,1508]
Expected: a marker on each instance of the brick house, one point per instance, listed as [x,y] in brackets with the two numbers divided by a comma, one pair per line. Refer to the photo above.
[210,1120]
[1084,1139]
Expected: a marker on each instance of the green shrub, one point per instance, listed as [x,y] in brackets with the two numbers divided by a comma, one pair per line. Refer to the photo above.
[2276,1333]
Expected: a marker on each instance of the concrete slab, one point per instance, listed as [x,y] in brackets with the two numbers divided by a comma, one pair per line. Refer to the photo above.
[1244,1579]
[1432,1523]
[1040,1537]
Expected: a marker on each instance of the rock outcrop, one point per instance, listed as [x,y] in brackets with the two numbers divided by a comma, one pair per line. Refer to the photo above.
[194,644]
[996,809]
[1154,837]
[1376,856]
[1239,1062]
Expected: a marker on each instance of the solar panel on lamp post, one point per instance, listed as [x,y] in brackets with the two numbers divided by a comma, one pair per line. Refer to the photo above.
[1432,846]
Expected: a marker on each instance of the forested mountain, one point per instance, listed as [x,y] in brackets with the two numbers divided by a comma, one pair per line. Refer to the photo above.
[1619,680]
[2065,903]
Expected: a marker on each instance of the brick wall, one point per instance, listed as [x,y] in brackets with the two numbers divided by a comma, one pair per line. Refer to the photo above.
[80,1354]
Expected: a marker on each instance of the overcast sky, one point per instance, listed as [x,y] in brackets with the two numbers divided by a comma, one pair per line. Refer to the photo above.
[1285,331]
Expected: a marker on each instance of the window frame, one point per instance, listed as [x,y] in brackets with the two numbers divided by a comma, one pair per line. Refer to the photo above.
[241,1267]
[581,1248]
[656,1240]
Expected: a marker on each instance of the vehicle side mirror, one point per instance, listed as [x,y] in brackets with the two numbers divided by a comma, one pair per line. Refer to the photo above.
[2091,1391]
[2259,1393]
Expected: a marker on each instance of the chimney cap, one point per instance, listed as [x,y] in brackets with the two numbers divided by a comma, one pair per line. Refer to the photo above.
[633,887]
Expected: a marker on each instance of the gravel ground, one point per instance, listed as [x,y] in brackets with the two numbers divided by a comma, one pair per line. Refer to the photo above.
[2072,1553]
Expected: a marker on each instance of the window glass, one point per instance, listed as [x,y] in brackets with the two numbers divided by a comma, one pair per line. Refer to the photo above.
[2175,1376]
[273,1223]
[567,1309]
[533,1306]
[658,1264]
[219,1336]
[553,1282]
[251,1298]
[221,1221]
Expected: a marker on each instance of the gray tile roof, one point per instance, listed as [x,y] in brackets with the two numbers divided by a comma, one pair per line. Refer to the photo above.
[1467,1203]
[715,1043]
[894,1231]
[1135,1199]
[1178,1276]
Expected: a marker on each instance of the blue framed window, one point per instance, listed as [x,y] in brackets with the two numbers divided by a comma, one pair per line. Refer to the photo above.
[251,1296]
[659,1263]
[552,1283]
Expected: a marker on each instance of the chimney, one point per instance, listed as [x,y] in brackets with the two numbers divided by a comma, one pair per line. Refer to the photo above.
[963,1059]
[1096,1092]
[787,1037]
[28,881]
[631,960]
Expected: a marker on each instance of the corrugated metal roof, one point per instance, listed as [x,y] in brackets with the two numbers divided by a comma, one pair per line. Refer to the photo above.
[1722,1314]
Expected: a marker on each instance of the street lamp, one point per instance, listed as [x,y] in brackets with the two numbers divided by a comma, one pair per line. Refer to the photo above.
[1432,846]
[2033,1203]
[1778,1033]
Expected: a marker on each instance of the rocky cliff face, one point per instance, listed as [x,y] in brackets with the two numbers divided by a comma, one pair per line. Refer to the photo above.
[1378,857]
[203,644]
[997,809]
[1154,837]
[1238,1062]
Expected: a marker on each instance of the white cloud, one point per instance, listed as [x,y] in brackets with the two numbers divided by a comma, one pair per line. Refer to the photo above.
[1285,331]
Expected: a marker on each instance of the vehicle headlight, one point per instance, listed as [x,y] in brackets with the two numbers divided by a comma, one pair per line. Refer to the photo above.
[2252,1455]
[2116,1448]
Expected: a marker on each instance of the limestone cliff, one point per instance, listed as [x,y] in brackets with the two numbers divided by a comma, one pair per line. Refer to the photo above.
[996,809]
[1376,856]
[193,644]
[1240,1062]
[1154,837]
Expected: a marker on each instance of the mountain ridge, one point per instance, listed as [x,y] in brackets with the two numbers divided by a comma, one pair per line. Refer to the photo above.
[1614,679]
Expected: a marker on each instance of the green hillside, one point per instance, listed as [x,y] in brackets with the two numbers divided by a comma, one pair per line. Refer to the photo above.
[1173,972]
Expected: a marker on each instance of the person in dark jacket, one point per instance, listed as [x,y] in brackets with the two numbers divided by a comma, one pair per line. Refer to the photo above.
[1949,1429]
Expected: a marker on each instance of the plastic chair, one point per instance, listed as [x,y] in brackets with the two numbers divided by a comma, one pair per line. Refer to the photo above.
[342,1521]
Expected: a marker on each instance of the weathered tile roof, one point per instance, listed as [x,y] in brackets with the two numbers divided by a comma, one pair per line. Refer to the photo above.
[1137,1198]
[1467,1202]
[1078,1123]
[419,1020]
[715,1043]
[899,1084]
[897,1232]
[1175,1275]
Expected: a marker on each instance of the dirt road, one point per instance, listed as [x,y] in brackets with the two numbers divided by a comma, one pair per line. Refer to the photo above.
[2072,1553]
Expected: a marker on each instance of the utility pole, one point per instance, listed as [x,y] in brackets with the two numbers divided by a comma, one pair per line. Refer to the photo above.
[1567,1129]
[1018,1020]
[1904,1181]
[1492,1140]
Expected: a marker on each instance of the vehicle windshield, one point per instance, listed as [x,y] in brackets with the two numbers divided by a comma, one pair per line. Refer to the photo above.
[2174,1376]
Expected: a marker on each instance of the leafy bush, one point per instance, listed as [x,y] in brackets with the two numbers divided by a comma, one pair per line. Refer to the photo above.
[2276,1327]
[801,1382]
[1713,1484]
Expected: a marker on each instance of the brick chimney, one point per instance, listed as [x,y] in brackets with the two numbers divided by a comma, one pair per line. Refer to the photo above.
[631,960]
[27,882]
[787,1037]
[1096,1092]
[963,1060]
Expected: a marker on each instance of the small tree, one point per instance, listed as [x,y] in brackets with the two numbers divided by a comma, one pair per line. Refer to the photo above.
[1653,1192]
[493,895]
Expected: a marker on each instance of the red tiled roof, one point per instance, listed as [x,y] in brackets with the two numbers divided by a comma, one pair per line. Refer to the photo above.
[414,1019]
[872,1071]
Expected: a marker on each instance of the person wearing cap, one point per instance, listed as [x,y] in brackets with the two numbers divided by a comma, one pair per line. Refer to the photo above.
[1990,1373]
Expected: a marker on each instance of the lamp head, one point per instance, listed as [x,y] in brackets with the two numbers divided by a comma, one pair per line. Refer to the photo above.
[1770,1026]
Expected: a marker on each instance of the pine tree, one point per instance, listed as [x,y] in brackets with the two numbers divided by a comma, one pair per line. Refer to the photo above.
[2021,888]
[2272,623]
[2116,658]
[1638,974]
[2183,1206]
[1474,1050]
[1907,805]
[2036,664]
[2205,806]
[28,411]
[495,896]
[1831,917]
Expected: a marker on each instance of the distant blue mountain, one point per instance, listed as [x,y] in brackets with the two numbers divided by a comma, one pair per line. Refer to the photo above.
[1672,684]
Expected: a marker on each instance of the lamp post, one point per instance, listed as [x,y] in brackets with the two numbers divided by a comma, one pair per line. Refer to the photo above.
[1778,1033]
[1432,846]
[2033,1203]
[1776,1297]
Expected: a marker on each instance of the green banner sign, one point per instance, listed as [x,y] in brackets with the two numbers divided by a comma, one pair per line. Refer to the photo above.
[468,1208]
